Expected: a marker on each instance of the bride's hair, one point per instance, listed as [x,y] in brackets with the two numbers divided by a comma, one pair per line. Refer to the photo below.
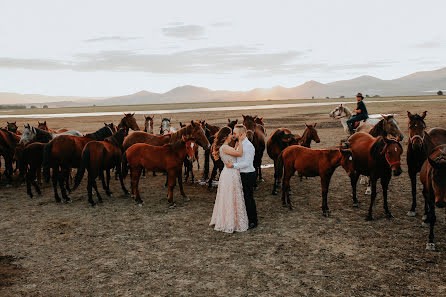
[220,138]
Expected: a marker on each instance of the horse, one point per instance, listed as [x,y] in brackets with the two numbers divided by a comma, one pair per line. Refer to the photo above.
[344,114]
[210,131]
[193,130]
[433,178]
[232,124]
[378,158]
[166,127]
[261,123]
[188,165]
[29,160]
[44,127]
[8,143]
[256,135]
[167,158]
[98,156]
[64,152]
[312,162]
[419,147]
[32,134]
[12,127]
[128,122]
[148,124]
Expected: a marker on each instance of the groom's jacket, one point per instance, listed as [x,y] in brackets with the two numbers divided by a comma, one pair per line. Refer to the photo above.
[245,162]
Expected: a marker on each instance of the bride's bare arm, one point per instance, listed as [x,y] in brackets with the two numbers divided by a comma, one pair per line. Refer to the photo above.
[233,152]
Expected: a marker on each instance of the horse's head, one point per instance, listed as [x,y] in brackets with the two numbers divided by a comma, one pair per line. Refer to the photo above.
[347,161]
[196,131]
[42,125]
[129,122]
[250,123]
[310,133]
[28,135]
[437,161]
[338,112]
[112,127]
[12,127]
[390,125]
[190,147]
[232,124]
[391,150]
[416,129]
[148,124]
[259,121]
[165,126]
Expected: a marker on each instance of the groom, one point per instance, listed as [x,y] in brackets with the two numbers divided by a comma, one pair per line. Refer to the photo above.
[247,173]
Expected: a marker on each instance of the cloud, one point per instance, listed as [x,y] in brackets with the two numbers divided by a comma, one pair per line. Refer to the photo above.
[429,44]
[111,38]
[191,32]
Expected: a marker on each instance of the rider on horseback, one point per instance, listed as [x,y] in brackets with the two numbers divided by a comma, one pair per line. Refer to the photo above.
[361,113]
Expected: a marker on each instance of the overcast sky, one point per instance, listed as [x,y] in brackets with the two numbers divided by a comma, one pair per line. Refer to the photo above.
[109,48]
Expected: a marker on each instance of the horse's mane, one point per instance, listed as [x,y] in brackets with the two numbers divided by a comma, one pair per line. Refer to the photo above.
[379,145]
[100,134]
[347,111]
[185,131]
[378,129]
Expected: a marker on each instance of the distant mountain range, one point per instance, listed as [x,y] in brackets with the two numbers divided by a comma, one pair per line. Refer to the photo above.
[419,83]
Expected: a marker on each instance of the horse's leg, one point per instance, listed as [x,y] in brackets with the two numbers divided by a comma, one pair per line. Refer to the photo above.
[275,179]
[368,191]
[286,188]
[213,174]
[385,186]
[28,184]
[186,171]
[354,181]
[431,218]
[90,191]
[206,164]
[136,174]
[192,173]
[180,184]
[95,186]
[104,183]
[39,175]
[34,172]
[171,178]
[107,172]
[373,180]
[325,183]
[54,179]
[67,175]
[121,180]
[63,176]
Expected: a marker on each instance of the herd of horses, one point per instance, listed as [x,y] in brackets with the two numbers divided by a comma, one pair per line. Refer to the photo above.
[368,152]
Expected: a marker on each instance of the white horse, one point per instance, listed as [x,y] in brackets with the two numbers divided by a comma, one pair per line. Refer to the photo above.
[35,134]
[166,127]
[344,114]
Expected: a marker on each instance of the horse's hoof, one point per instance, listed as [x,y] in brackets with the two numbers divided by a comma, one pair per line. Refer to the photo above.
[92,204]
[368,192]
[326,213]
[389,215]
[274,193]
[291,207]
[68,200]
[430,246]
[58,200]
[355,204]
[186,199]
[369,218]
[172,205]
[261,180]
[411,213]
[424,218]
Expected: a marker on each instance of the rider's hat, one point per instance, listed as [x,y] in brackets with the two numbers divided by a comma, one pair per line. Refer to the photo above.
[359,95]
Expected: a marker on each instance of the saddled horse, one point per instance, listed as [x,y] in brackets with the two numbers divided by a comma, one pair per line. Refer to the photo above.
[256,135]
[344,114]
[311,162]
[378,158]
[44,126]
[30,165]
[100,156]
[148,124]
[8,144]
[128,122]
[32,134]
[420,146]
[433,178]
[12,127]
[167,158]
[64,152]
[166,126]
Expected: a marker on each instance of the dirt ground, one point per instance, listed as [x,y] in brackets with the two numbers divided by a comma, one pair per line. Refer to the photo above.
[122,249]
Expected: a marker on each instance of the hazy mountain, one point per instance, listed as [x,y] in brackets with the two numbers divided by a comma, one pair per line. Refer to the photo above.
[419,83]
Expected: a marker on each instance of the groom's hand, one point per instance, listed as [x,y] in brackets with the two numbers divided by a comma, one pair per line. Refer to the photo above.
[229,164]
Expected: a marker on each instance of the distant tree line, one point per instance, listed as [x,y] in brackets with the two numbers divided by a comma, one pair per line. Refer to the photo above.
[2,106]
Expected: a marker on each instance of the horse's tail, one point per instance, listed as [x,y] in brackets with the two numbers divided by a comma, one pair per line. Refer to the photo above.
[46,160]
[124,165]
[81,170]
[279,168]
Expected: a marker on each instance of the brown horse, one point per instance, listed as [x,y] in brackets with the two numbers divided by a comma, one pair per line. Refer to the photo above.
[193,130]
[256,135]
[167,158]
[128,122]
[100,156]
[210,131]
[312,162]
[44,127]
[65,152]
[148,124]
[420,145]
[232,124]
[12,127]
[377,158]
[433,178]
[188,165]
[310,134]
[261,123]
[8,143]
[30,165]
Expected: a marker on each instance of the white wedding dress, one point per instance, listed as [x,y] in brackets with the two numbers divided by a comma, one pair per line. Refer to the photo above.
[229,213]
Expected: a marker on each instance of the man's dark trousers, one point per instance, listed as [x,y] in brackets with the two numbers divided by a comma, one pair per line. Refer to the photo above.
[248,182]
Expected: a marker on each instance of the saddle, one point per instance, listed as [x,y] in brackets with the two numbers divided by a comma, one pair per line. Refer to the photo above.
[356,124]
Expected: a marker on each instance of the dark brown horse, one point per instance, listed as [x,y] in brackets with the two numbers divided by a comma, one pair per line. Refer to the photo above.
[29,160]
[256,135]
[377,158]
[433,178]
[232,124]
[420,145]
[100,156]
[210,131]
[310,134]
[8,143]
[312,162]
[12,127]
[167,158]
[44,127]
[188,165]
[65,152]
[261,123]
[148,124]
[128,122]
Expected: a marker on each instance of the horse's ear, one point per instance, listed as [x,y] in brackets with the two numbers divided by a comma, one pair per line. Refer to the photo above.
[229,121]
[433,163]
[105,124]
[314,126]
[340,105]
[236,121]
[44,123]
[243,116]
[192,123]
[409,115]
[423,115]
[7,122]
[306,125]
[133,114]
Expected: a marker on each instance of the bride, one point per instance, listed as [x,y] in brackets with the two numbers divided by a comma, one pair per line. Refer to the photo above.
[229,213]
